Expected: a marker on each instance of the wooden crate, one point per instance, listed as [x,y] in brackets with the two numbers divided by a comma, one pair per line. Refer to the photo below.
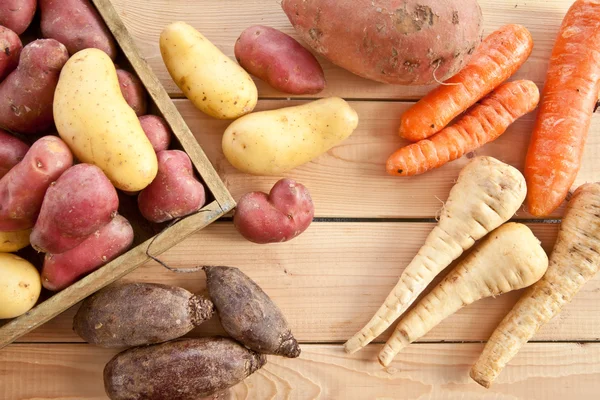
[150,238]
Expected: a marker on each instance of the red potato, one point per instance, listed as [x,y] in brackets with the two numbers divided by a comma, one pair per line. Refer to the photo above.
[16,15]
[175,192]
[10,49]
[133,91]
[77,25]
[279,60]
[101,247]
[283,214]
[27,94]
[157,130]
[409,42]
[12,151]
[78,204]
[22,189]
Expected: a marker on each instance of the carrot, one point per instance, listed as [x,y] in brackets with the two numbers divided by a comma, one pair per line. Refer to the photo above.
[509,258]
[498,57]
[484,123]
[487,193]
[568,101]
[574,261]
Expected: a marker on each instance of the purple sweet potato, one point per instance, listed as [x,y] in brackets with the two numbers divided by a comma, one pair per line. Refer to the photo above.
[184,369]
[22,189]
[101,247]
[16,15]
[134,314]
[283,214]
[27,93]
[409,42]
[10,49]
[133,91]
[12,151]
[175,192]
[248,314]
[78,204]
[157,130]
[279,60]
[77,25]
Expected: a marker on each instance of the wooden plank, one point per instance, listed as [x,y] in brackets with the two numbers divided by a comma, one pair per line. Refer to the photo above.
[223,21]
[350,180]
[331,279]
[542,371]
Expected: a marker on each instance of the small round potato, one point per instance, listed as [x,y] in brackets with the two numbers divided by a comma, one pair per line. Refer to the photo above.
[133,91]
[20,286]
[157,130]
[14,241]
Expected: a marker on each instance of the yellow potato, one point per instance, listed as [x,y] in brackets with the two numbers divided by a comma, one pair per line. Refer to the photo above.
[272,142]
[20,286]
[96,122]
[213,82]
[14,241]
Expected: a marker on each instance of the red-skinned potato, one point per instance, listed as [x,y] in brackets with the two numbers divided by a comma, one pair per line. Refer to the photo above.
[157,130]
[101,247]
[78,204]
[283,214]
[77,25]
[175,192]
[279,60]
[133,91]
[27,93]
[10,49]
[22,189]
[16,15]
[12,151]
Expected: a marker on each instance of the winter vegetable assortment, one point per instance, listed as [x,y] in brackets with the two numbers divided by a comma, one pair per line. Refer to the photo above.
[76,136]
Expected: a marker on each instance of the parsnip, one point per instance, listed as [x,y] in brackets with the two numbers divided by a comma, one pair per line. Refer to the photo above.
[509,258]
[487,193]
[574,261]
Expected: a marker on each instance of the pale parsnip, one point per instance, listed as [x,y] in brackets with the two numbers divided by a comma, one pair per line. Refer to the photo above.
[509,258]
[488,193]
[273,142]
[96,122]
[574,261]
[20,285]
[14,241]
[213,82]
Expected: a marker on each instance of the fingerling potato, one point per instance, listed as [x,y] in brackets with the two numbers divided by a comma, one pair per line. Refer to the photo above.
[12,151]
[16,15]
[157,130]
[133,91]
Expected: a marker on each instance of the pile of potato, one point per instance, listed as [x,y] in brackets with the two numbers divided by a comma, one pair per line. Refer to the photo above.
[75,130]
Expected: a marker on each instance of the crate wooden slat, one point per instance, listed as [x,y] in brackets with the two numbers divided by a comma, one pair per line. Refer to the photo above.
[168,237]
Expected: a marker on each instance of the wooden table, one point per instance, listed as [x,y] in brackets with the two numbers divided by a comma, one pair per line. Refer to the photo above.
[331,279]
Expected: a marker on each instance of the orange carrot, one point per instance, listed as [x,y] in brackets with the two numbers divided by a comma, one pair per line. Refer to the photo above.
[568,101]
[482,124]
[498,57]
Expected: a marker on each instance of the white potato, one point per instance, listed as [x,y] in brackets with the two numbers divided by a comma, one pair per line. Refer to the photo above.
[20,286]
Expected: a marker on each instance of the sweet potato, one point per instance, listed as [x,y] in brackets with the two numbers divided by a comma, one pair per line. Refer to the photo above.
[175,192]
[248,314]
[101,247]
[16,15]
[135,314]
[77,25]
[10,49]
[157,130]
[411,42]
[179,370]
[283,214]
[12,151]
[78,204]
[22,189]
[278,59]
[133,91]
[27,93]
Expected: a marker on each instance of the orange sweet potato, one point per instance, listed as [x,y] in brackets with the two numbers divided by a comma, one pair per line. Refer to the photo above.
[409,42]
[27,93]
[10,49]
[22,189]
[12,151]
[101,247]
[78,204]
